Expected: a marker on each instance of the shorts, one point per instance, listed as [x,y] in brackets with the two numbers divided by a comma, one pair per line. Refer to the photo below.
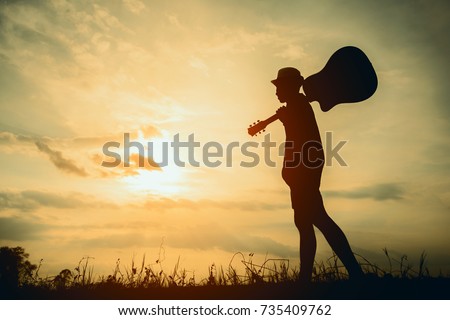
[304,183]
[308,200]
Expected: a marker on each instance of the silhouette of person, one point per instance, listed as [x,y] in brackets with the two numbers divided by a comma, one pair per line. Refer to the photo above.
[302,170]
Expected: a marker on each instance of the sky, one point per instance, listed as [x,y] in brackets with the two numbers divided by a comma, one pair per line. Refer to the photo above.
[76,75]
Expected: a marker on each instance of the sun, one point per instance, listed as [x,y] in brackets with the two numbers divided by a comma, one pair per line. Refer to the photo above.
[164,181]
[167,181]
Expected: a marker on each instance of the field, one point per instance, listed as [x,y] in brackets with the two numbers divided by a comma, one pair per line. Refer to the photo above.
[271,280]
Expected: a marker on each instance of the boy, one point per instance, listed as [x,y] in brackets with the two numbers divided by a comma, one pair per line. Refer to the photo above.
[302,170]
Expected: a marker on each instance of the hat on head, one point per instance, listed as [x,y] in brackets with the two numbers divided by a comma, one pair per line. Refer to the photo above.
[288,74]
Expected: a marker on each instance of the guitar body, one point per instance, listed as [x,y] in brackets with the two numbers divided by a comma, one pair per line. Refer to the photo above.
[347,77]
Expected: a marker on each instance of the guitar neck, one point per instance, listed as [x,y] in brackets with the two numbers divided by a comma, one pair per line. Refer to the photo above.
[260,126]
[271,119]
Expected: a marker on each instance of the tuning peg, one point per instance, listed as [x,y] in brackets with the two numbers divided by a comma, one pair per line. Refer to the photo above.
[258,120]
[264,130]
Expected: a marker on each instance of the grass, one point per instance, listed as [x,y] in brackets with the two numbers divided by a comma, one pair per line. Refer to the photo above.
[273,279]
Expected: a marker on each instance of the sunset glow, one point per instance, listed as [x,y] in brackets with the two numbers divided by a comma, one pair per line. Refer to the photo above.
[76,75]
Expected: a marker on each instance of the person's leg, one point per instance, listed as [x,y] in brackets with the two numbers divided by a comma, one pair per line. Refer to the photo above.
[308,245]
[337,240]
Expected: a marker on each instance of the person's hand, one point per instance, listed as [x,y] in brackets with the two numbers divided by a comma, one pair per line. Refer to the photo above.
[282,114]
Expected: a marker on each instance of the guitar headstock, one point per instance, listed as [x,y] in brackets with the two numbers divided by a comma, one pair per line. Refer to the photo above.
[257,127]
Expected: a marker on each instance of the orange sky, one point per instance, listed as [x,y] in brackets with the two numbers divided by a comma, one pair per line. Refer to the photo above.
[77,75]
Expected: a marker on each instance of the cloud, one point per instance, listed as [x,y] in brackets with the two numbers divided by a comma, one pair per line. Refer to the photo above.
[200,65]
[200,237]
[292,52]
[11,142]
[134,6]
[168,203]
[28,200]
[379,192]
[142,162]
[27,31]
[17,229]
[11,138]
[11,200]
[136,163]
[207,237]
[175,22]
[133,169]
[149,131]
[59,161]
[123,240]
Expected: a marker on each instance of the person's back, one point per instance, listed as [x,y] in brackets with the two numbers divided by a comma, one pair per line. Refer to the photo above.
[303,155]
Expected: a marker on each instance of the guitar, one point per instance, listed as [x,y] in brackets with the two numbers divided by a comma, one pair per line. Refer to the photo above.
[260,126]
[347,77]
